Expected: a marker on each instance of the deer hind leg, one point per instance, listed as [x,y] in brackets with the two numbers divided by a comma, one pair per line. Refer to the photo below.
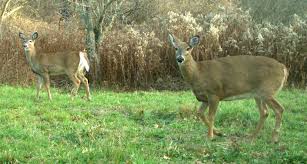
[76,82]
[40,82]
[278,110]
[203,117]
[85,82]
[263,110]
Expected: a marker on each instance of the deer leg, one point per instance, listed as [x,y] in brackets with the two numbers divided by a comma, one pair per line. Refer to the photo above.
[76,83]
[203,117]
[213,104]
[47,85]
[263,110]
[85,82]
[39,85]
[278,110]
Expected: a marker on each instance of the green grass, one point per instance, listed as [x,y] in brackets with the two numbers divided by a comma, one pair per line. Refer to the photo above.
[143,127]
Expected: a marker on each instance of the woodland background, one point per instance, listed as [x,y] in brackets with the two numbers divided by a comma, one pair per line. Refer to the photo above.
[127,39]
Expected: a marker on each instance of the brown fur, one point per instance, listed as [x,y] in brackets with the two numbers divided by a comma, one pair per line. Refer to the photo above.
[45,65]
[231,78]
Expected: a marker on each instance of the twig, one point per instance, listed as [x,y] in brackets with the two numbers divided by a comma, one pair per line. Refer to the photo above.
[11,12]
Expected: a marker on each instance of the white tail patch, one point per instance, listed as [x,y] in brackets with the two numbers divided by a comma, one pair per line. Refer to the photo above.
[83,62]
[284,79]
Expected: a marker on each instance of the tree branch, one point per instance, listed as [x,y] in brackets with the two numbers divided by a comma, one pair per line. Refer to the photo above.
[78,4]
[102,14]
[6,4]
[11,12]
[108,26]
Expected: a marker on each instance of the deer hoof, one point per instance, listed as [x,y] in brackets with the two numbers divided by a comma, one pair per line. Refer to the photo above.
[210,136]
[218,133]
[275,139]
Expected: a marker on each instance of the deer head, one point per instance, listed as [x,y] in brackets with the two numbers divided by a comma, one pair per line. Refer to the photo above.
[28,44]
[183,50]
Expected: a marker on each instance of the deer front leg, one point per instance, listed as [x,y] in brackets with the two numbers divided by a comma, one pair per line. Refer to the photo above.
[202,109]
[213,104]
[39,85]
[46,79]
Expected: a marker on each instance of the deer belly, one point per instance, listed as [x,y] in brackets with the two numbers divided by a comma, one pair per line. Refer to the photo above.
[200,96]
[239,97]
[56,70]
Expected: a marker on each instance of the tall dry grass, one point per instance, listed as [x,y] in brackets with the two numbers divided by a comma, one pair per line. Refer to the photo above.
[139,55]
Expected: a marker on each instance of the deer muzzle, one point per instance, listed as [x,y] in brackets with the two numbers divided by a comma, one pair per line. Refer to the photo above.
[25,46]
[180,59]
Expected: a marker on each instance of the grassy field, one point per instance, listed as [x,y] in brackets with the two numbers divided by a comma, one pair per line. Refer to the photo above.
[143,127]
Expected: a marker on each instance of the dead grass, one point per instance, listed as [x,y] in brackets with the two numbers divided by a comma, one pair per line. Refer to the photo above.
[139,56]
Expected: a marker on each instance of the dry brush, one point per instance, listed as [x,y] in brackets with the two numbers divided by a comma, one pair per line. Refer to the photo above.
[139,56]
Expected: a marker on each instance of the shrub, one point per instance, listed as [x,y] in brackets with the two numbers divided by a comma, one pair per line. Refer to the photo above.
[139,55]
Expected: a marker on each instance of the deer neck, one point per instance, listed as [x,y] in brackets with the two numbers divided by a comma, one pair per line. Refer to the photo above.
[31,58]
[188,69]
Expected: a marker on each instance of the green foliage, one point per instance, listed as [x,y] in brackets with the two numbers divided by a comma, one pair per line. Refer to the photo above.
[142,127]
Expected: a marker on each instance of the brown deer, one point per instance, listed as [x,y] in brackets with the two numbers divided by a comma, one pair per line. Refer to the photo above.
[44,65]
[232,78]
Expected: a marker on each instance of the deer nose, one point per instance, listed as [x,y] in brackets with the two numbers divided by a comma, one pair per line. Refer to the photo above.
[180,59]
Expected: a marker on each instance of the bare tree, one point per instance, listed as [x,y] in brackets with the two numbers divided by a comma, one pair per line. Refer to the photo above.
[98,17]
[6,10]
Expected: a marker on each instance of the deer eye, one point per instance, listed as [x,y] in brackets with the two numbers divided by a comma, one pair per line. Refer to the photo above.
[30,41]
[176,48]
[189,48]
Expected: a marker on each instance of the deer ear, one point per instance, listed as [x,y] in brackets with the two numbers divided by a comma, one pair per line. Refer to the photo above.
[34,35]
[172,40]
[21,35]
[194,41]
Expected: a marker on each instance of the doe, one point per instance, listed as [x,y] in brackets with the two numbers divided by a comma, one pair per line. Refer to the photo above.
[44,65]
[232,78]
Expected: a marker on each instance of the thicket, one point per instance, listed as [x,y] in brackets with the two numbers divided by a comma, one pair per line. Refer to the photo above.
[135,53]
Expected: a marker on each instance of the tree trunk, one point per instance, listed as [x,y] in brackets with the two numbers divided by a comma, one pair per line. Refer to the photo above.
[95,72]
[95,34]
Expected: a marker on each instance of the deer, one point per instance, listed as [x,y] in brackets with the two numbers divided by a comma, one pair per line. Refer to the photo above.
[232,78]
[43,65]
